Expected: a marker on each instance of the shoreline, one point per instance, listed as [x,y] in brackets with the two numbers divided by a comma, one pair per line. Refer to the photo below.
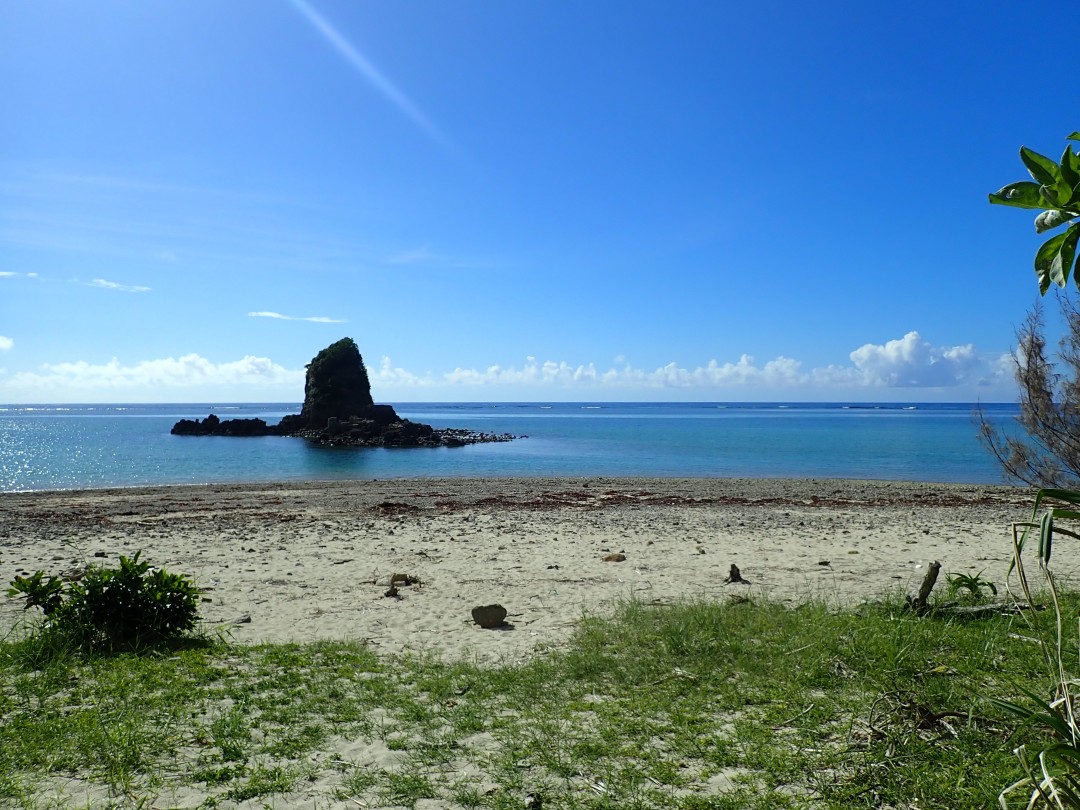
[485,480]
[312,560]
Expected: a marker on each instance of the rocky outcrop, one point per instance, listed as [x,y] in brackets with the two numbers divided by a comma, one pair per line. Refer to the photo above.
[336,386]
[339,411]
[212,426]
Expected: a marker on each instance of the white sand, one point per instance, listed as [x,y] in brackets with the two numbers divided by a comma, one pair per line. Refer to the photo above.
[307,561]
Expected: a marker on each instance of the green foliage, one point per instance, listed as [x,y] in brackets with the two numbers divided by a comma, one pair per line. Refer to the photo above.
[972,584]
[1048,456]
[1051,767]
[1056,192]
[752,705]
[112,609]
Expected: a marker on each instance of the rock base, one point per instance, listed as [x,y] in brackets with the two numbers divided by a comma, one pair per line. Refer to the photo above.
[380,426]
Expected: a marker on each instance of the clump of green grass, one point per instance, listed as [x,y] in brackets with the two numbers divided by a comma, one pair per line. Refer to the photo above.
[693,706]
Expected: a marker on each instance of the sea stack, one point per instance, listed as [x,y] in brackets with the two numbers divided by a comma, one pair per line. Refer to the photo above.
[339,410]
[337,391]
[336,385]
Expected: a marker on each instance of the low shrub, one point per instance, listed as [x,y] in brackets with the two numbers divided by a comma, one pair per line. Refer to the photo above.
[113,609]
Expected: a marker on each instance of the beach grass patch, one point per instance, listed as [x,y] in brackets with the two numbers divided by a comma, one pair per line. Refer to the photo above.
[692,705]
[264,780]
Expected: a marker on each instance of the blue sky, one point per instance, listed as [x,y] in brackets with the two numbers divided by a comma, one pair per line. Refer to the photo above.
[519,201]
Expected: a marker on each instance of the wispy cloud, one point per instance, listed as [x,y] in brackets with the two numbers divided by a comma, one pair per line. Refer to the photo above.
[11,274]
[112,285]
[371,73]
[6,343]
[311,319]
[414,256]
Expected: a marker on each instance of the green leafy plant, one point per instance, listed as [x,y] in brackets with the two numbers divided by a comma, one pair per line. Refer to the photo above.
[1052,772]
[112,609]
[972,584]
[1056,193]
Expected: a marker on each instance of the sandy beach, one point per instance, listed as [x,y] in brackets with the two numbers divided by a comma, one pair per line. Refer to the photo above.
[309,561]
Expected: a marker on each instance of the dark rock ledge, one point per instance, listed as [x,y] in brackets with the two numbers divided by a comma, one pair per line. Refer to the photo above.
[338,411]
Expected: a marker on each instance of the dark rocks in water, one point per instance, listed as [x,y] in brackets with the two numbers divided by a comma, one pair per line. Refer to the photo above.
[213,426]
[338,411]
[356,432]
[364,432]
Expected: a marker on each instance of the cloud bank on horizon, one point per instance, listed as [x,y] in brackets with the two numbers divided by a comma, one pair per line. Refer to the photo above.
[905,368]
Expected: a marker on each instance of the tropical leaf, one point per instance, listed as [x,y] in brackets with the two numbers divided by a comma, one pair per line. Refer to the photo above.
[1054,187]
[1063,263]
[1048,220]
[1047,262]
[1067,167]
[1036,713]
[1046,537]
[1041,168]
[1054,260]
[1067,495]
[1064,495]
[1023,194]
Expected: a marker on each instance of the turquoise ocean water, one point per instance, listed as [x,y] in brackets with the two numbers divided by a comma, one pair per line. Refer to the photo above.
[50,447]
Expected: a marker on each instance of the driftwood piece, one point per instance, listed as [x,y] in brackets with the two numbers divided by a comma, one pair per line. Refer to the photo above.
[735,576]
[989,609]
[918,604]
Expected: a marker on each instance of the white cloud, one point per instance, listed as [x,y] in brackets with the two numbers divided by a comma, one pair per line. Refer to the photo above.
[387,374]
[912,362]
[312,319]
[782,371]
[6,343]
[190,370]
[112,285]
[7,274]
[909,362]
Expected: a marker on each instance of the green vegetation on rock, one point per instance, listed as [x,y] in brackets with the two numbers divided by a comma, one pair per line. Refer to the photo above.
[337,384]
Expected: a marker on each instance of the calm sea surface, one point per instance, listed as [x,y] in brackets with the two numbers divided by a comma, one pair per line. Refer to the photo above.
[75,446]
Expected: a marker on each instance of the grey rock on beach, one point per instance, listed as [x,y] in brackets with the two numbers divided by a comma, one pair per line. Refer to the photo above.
[489,616]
